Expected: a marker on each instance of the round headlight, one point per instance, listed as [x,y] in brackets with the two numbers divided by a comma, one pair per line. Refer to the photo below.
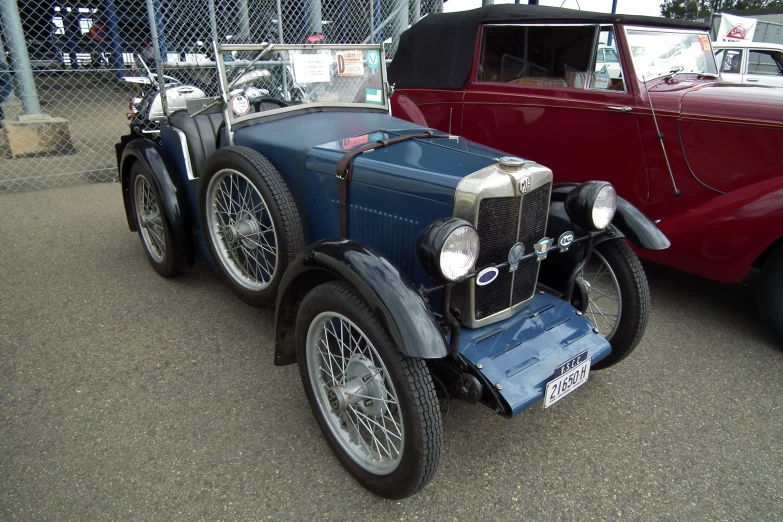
[459,253]
[592,205]
[448,249]
[604,207]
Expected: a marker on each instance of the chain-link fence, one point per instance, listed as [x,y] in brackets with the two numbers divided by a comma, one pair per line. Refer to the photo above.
[72,72]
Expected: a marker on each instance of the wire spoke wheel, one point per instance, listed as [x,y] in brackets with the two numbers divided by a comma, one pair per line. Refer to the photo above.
[618,298]
[605,300]
[354,392]
[376,406]
[149,219]
[242,230]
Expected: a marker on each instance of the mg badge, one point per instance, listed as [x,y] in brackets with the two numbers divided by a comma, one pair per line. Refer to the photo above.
[514,255]
[542,247]
[525,184]
[486,276]
[565,240]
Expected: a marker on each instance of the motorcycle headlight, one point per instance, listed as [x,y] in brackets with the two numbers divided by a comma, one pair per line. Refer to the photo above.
[592,205]
[448,249]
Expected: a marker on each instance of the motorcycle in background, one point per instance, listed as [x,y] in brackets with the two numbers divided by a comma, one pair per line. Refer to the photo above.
[146,108]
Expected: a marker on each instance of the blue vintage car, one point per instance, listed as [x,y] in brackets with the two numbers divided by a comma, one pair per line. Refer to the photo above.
[406,265]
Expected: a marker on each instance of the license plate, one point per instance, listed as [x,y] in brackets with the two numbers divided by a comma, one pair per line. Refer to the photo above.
[572,374]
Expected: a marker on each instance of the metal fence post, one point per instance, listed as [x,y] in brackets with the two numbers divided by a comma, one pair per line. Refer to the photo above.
[23,73]
[377,22]
[244,22]
[213,23]
[314,16]
[403,20]
[279,21]
[286,96]
[153,18]
[416,10]
[372,20]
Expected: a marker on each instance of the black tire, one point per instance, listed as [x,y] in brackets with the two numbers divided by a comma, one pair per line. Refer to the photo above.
[419,454]
[267,103]
[156,233]
[635,300]
[769,293]
[253,282]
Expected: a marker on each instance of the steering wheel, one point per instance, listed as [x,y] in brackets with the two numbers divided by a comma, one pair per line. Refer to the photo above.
[268,99]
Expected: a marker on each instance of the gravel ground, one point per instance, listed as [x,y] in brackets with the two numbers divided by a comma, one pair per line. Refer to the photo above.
[124,396]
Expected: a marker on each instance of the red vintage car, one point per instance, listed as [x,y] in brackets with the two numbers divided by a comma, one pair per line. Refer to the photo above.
[636,101]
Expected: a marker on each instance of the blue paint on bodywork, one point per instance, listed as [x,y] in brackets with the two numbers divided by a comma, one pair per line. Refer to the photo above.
[171,148]
[522,352]
[316,142]
[420,167]
[395,192]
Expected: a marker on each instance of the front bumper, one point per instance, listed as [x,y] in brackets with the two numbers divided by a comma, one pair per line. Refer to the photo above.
[521,353]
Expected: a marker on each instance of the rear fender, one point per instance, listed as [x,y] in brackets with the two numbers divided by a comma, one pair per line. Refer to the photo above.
[403,313]
[722,239]
[406,109]
[173,200]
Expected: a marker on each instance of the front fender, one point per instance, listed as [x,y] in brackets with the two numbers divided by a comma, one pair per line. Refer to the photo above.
[173,200]
[722,238]
[404,108]
[628,222]
[402,312]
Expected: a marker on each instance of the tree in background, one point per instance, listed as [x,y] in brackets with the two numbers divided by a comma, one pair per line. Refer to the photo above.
[689,9]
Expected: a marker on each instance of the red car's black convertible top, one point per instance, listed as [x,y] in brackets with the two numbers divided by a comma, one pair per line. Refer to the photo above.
[437,52]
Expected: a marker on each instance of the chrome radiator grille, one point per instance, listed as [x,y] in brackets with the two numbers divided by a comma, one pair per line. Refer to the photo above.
[500,225]
[507,202]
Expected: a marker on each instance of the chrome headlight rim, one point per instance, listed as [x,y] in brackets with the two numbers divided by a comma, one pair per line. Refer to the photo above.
[448,238]
[592,205]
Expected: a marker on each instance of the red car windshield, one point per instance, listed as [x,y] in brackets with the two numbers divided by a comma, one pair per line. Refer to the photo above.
[657,52]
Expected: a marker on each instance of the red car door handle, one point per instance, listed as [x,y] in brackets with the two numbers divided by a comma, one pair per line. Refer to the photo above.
[618,108]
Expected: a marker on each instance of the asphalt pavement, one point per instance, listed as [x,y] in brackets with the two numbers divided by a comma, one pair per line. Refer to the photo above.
[125,396]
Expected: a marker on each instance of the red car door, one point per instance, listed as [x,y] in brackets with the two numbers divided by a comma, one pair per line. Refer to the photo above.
[537,94]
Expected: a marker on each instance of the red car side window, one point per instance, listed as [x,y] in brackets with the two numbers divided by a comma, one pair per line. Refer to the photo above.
[545,55]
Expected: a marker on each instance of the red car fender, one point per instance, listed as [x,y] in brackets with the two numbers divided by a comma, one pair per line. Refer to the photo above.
[721,239]
[406,109]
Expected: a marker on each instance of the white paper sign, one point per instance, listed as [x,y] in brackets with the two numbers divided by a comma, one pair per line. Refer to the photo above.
[312,68]
[736,28]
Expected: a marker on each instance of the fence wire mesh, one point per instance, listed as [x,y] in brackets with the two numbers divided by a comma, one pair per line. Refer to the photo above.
[72,71]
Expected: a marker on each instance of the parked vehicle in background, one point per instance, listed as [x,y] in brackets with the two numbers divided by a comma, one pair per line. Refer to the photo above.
[403,262]
[606,56]
[701,157]
[146,107]
[259,84]
[44,55]
[752,63]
